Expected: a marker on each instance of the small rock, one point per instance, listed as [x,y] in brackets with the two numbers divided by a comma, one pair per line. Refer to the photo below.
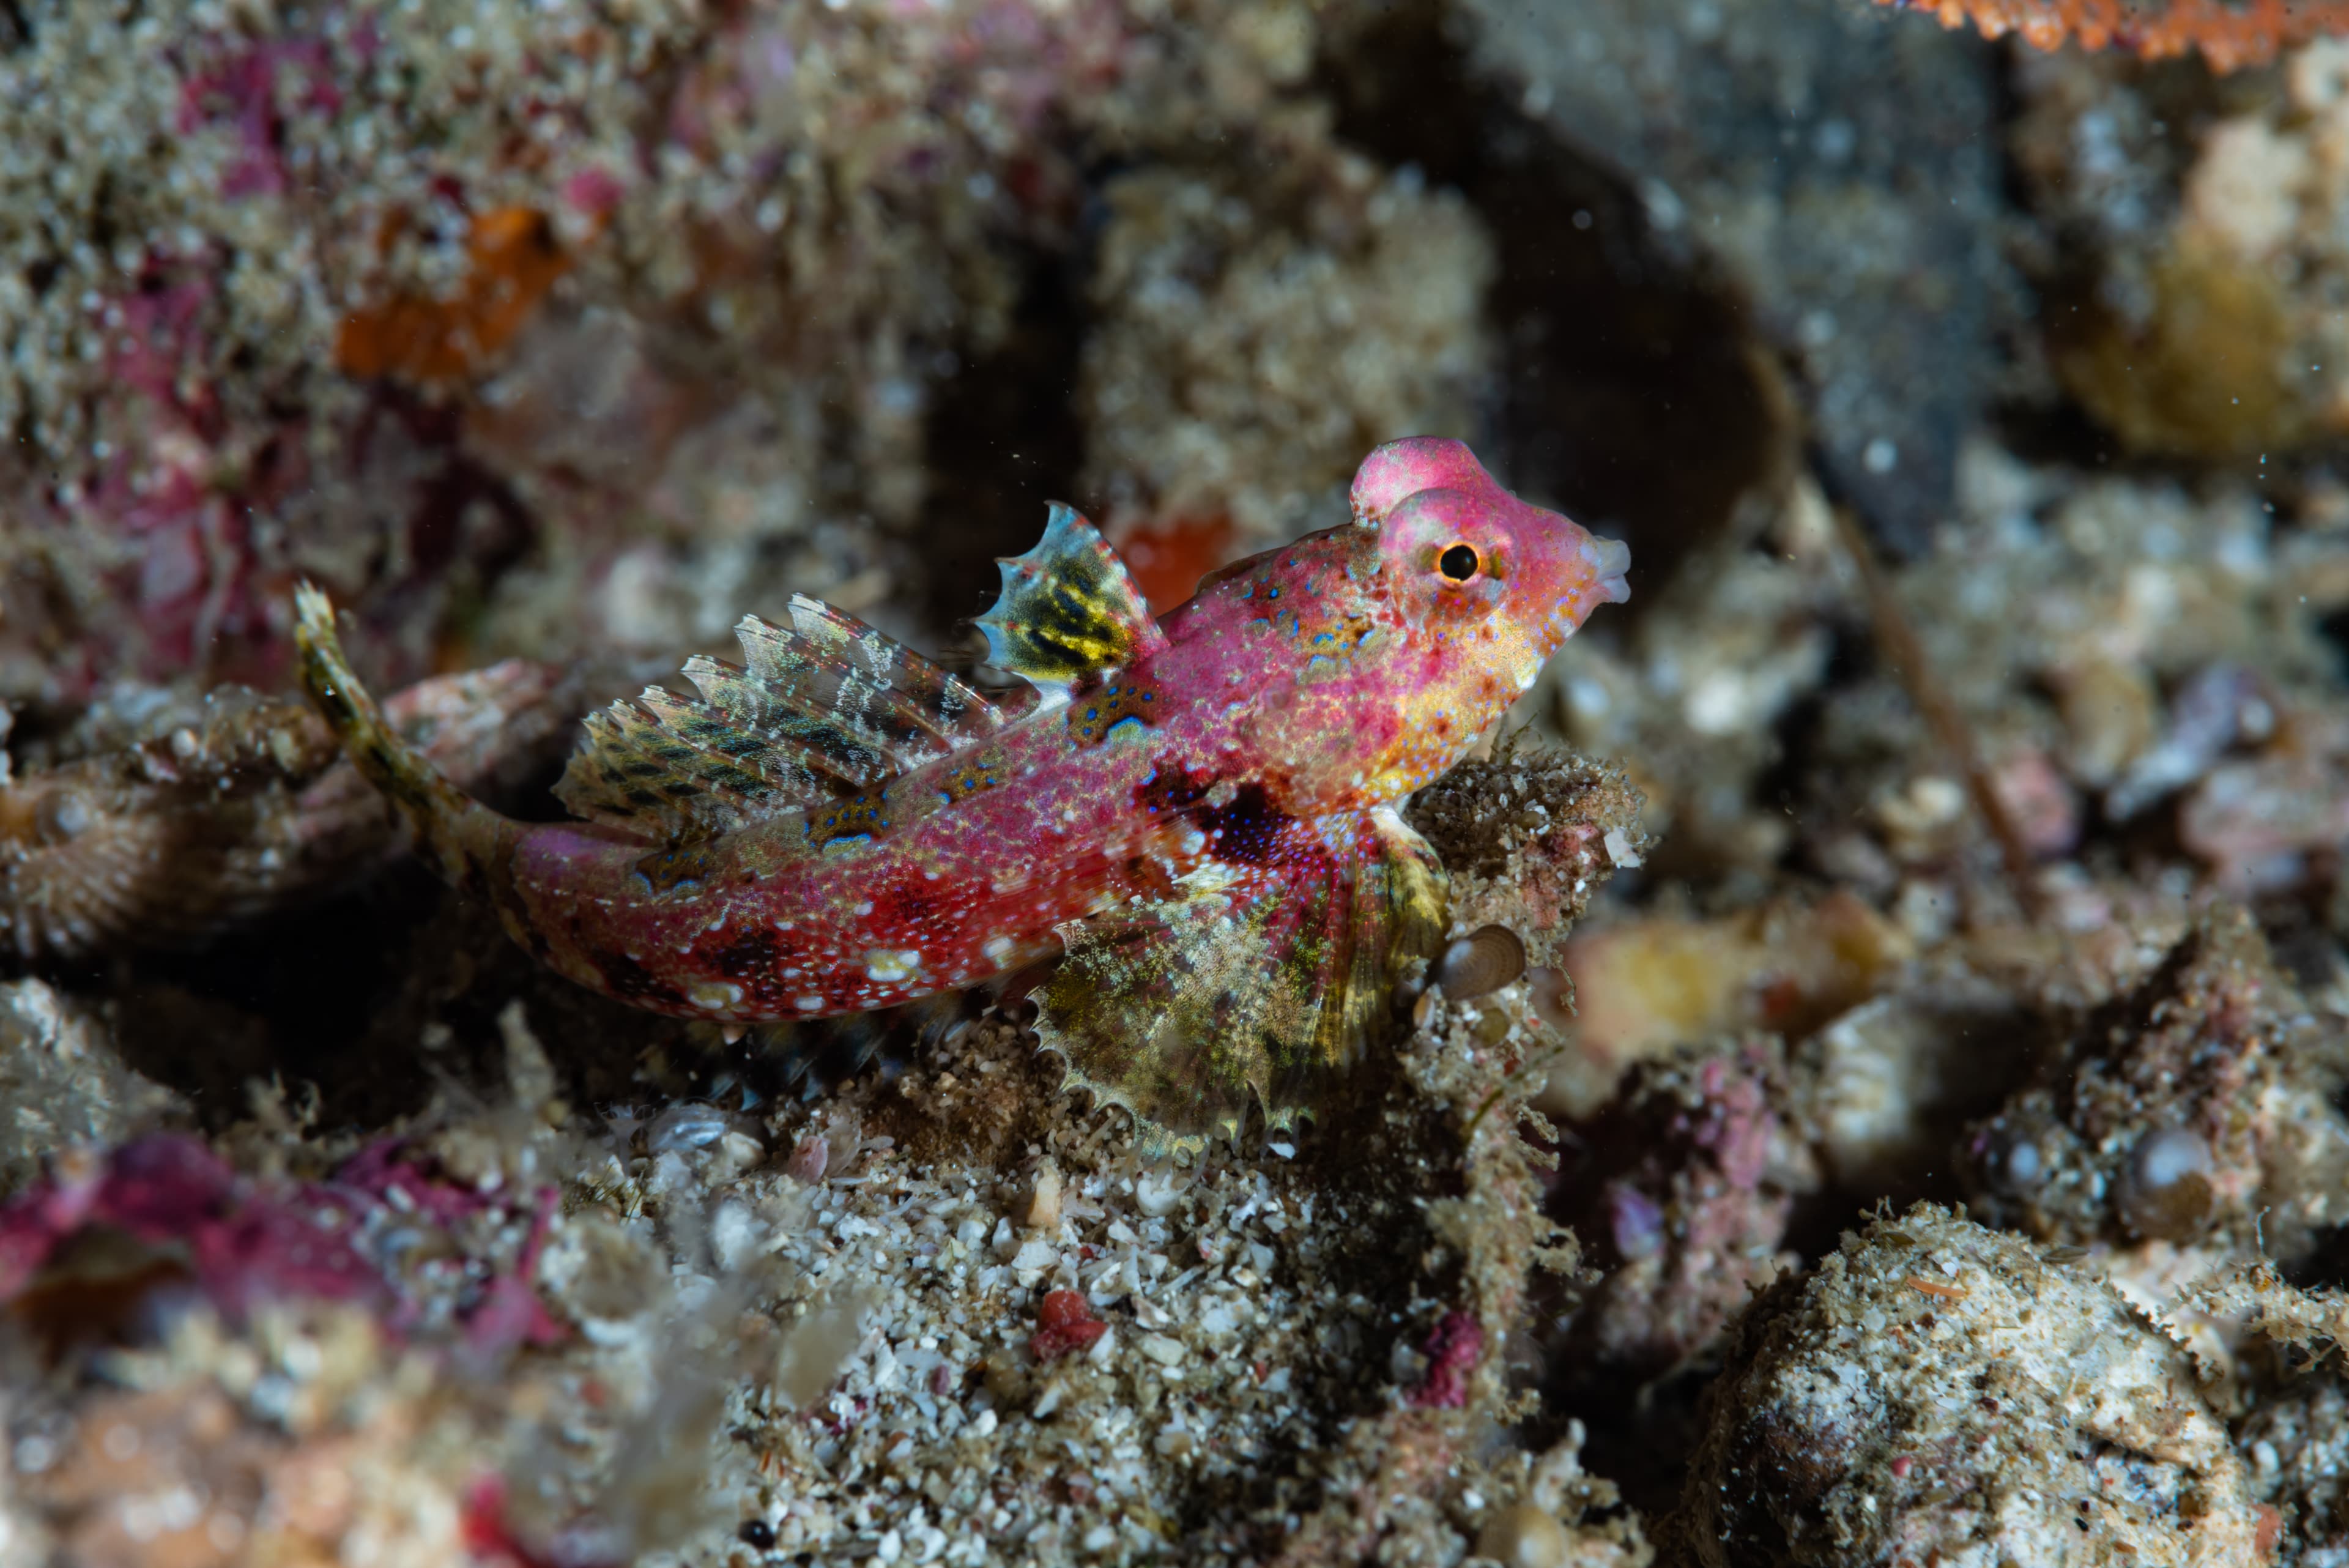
[1065,1322]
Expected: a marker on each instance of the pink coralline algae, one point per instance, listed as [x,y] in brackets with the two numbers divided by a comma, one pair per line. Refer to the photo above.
[242,1243]
[248,87]
[160,486]
[242,1247]
[1452,1351]
[1692,1181]
[492,1539]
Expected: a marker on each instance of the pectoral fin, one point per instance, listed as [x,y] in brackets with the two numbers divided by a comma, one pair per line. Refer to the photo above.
[1269,977]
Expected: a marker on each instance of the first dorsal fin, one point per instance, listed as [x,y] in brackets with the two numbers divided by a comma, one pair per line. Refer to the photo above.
[825,708]
[1068,610]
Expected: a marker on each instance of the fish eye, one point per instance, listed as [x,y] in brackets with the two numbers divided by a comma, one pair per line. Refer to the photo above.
[1458,563]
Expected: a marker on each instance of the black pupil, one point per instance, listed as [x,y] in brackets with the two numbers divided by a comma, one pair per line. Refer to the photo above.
[1459,563]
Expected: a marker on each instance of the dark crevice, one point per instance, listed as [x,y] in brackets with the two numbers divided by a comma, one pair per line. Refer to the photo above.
[1003,439]
[278,1000]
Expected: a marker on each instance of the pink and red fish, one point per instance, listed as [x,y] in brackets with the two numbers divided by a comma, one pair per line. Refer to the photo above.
[1199,813]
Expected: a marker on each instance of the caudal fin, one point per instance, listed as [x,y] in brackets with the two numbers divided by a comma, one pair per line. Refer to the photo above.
[457,833]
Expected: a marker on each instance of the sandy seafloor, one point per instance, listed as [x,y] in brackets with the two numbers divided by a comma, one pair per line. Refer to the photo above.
[1913,1136]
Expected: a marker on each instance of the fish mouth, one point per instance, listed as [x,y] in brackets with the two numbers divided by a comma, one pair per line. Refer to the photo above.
[1608,560]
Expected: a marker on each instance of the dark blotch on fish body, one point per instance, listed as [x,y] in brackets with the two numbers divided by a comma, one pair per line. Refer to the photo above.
[628,980]
[749,956]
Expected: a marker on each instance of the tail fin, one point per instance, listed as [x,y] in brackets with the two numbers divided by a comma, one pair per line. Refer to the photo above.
[459,834]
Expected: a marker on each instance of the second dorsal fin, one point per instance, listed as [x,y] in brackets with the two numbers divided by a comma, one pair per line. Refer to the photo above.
[817,711]
[1069,609]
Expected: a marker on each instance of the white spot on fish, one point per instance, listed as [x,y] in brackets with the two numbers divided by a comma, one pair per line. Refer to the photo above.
[715,995]
[887,966]
[997,949]
[808,1003]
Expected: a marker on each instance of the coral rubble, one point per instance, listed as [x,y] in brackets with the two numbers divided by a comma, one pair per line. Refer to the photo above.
[2192,1109]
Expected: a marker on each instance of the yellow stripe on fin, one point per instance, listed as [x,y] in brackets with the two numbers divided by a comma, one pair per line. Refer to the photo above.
[1068,610]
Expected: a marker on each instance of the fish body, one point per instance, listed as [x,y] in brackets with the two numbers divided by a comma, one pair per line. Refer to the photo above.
[1199,813]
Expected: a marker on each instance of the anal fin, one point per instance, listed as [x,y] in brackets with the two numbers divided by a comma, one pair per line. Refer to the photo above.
[1269,977]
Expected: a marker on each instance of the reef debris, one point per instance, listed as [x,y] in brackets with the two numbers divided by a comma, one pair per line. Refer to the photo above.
[1683,1185]
[157,821]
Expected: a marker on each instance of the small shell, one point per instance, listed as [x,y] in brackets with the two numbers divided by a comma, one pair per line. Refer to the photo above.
[1523,1536]
[2165,1191]
[810,1157]
[1486,959]
[683,1126]
[1043,1207]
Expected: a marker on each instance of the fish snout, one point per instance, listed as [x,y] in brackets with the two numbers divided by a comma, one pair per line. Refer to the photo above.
[1608,560]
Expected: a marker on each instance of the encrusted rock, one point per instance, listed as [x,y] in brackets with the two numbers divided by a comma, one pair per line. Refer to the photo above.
[2194,1109]
[62,1085]
[1523,837]
[1936,1392]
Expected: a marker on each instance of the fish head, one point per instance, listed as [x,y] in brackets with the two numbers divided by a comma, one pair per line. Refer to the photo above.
[1485,586]
[1375,653]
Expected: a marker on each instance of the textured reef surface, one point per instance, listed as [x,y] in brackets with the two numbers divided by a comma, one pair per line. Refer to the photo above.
[1877,1092]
